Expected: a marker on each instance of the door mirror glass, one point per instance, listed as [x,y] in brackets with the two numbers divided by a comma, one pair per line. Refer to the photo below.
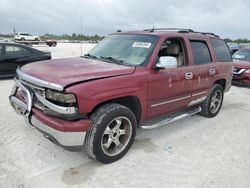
[166,62]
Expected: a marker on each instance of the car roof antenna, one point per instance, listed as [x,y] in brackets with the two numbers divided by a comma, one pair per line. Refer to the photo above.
[153,29]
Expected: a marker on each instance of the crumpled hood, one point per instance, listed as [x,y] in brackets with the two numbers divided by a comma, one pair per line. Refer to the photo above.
[241,64]
[70,70]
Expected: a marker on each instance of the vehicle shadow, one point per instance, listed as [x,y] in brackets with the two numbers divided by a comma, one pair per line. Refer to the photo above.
[6,78]
[241,85]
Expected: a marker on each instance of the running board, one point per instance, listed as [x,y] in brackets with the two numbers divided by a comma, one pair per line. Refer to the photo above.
[152,124]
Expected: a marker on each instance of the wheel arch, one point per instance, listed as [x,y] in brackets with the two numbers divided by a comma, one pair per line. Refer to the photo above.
[131,102]
[221,82]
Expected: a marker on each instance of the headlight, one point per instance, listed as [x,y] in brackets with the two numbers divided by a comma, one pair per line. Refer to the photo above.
[247,71]
[61,98]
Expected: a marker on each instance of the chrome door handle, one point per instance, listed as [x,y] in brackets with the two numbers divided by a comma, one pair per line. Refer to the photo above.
[212,71]
[189,75]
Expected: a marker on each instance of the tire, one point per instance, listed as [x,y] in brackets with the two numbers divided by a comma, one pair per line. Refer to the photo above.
[212,104]
[22,39]
[112,133]
[36,39]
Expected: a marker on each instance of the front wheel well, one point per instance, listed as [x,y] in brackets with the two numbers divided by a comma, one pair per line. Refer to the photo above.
[221,82]
[130,102]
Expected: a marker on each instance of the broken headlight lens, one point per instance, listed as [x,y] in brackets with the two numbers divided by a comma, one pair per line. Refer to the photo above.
[60,98]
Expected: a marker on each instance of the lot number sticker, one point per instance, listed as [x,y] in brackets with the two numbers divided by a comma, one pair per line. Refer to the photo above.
[141,45]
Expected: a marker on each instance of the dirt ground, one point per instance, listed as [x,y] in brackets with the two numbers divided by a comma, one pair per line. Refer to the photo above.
[193,152]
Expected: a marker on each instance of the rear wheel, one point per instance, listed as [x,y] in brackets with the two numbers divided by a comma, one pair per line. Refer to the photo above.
[22,39]
[36,39]
[212,105]
[112,133]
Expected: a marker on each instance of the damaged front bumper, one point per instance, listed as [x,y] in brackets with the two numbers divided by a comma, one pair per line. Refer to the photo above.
[241,77]
[24,98]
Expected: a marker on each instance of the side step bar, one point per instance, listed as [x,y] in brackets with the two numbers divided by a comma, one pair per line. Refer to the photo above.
[153,124]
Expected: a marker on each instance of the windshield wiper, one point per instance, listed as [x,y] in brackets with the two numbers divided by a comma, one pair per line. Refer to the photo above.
[117,61]
[89,56]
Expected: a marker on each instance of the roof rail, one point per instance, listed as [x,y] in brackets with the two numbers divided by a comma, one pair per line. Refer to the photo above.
[169,29]
[207,33]
[180,30]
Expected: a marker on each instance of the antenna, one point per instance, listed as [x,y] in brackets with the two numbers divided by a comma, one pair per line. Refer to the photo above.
[152,30]
[81,36]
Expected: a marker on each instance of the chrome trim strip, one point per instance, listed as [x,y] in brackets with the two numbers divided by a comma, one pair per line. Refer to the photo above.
[166,102]
[200,93]
[32,86]
[64,138]
[56,108]
[38,82]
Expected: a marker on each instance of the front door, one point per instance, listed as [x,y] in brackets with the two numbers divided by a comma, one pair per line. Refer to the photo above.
[170,89]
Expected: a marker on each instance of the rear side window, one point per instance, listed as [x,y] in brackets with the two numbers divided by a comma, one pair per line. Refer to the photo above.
[12,50]
[201,52]
[221,50]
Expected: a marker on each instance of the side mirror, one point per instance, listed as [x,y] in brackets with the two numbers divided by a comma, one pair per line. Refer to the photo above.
[166,62]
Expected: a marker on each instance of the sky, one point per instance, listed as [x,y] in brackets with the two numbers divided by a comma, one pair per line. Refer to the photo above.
[227,18]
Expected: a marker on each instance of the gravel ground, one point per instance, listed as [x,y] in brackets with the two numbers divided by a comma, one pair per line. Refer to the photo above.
[193,152]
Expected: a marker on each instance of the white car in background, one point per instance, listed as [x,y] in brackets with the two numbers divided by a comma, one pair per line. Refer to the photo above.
[25,36]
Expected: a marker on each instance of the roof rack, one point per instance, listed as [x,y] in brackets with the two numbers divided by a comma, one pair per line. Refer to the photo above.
[169,29]
[180,30]
[206,33]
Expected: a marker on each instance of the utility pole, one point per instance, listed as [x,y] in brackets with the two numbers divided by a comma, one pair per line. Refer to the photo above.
[14,30]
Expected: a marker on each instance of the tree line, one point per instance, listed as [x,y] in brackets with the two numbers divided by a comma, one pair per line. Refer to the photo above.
[238,41]
[73,37]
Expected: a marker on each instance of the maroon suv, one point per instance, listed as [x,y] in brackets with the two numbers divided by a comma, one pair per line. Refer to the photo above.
[129,79]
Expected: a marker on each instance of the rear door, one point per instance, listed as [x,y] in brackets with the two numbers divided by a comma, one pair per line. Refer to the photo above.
[203,67]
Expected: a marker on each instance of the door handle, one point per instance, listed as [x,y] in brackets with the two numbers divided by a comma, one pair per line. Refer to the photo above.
[189,75]
[212,71]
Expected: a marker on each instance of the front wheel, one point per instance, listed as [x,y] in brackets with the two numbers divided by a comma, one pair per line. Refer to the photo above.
[112,133]
[212,105]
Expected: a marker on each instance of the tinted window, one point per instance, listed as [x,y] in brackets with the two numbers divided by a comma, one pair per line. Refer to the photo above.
[12,50]
[200,52]
[221,50]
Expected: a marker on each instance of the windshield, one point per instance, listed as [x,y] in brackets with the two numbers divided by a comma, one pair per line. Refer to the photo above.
[242,55]
[130,50]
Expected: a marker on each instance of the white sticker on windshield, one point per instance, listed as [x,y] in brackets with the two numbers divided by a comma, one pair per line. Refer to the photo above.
[141,45]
